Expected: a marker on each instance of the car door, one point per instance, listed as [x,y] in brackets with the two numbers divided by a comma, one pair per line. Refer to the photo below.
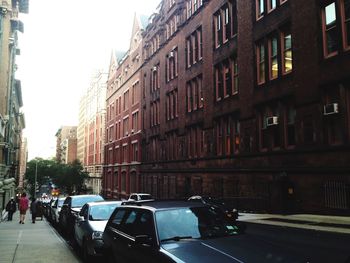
[143,247]
[110,235]
[81,224]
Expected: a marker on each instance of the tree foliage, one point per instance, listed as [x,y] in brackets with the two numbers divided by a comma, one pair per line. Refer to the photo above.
[68,177]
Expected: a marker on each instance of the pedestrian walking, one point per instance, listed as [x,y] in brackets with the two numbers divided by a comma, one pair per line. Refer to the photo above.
[23,207]
[34,209]
[10,208]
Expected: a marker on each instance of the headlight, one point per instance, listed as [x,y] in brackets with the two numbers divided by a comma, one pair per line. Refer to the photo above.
[96,235]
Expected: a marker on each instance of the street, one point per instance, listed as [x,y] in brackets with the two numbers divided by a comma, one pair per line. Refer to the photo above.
[317,246]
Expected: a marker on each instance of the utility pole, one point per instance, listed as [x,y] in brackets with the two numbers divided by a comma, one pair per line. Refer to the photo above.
[36,176]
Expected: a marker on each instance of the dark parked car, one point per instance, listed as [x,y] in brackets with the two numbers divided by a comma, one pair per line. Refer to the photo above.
[183,231]
[71,208]
[89,227]
[229,211]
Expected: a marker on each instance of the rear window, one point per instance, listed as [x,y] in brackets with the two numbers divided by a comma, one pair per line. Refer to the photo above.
[82,200]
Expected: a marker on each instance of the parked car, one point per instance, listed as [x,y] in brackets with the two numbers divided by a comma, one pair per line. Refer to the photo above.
[230,212]
[183,231]
[89,227]
[56,209]
[140,197]
[71,208]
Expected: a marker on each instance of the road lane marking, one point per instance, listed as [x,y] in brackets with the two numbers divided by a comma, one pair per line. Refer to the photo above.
[18,240]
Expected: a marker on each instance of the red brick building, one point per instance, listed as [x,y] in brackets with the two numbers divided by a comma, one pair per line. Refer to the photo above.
[248,100]
[123,119]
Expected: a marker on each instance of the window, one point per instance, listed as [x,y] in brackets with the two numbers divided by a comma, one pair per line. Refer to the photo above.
[290,126]
[135,93]
[135,151]
[334,122]
[227,79]
[194,47]
[280,56]
[218,82]
[330,34]
[271,5]
[171,65]
[260,8]
[171,106]
[273,62]
[126,100]
[125,153]
[261,63]
[194,94]
[135,122]
[234,71]
[345,13]
[155,78]
[126,126]
[219,138]
[287,58]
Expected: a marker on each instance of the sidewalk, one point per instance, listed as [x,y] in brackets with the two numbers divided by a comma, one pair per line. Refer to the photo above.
[39,243]
[337,224]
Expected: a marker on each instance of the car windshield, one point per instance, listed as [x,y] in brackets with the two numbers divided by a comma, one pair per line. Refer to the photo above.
[82,200]
[101,212]
[196,222]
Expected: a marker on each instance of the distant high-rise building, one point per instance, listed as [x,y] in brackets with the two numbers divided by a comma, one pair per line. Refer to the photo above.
[66,144]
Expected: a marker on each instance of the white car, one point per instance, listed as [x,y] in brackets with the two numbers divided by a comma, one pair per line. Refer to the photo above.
[56,208]
[140,197]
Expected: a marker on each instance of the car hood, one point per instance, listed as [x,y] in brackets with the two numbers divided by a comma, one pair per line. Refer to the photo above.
[227,249]
[98,225]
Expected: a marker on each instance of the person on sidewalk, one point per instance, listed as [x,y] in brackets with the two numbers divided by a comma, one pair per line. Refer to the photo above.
[23,207]
[10,208]
[34,209]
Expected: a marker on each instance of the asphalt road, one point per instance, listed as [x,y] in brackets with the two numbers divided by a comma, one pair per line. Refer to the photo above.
[313,246]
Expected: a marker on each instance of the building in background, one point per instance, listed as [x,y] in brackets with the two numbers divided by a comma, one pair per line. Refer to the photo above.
[12,120]
[91,130]
[243,100]
[22,164]
[249,100]
[66,144]
[123,120]
[81,130]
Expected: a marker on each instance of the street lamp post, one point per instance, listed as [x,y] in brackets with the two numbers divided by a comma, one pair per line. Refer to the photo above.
[35,178]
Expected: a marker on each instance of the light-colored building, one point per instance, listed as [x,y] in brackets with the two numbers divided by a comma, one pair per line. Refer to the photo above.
[11,118]
[91,130]
[23,164]
[81,130]
[66,145]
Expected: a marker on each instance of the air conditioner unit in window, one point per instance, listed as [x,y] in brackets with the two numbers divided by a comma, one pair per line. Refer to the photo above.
[171,54]
[331,108]
[132,131]
[270,121]
[154,68]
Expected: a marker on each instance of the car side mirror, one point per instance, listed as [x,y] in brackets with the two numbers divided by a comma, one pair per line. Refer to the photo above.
[143,240]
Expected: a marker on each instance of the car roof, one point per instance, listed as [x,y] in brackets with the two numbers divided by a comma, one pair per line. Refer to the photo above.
[163,205]
[96,203]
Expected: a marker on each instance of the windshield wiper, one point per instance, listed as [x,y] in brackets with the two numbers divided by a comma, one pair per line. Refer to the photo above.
[176,238]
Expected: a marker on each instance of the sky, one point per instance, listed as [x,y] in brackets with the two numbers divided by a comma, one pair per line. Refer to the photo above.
[64,41]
